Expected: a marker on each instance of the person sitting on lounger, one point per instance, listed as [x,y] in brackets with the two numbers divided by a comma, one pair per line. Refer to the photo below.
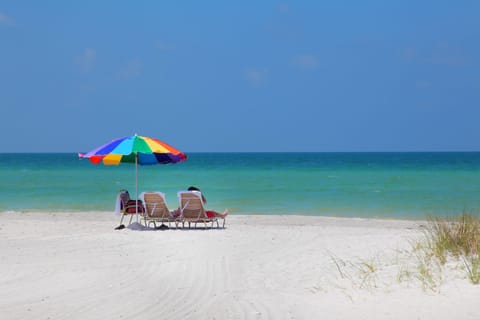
[209,213]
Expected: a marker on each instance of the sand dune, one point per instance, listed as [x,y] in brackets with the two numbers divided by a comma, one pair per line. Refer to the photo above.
[75,266]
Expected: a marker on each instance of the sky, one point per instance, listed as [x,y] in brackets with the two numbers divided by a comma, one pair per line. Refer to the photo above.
[241,76]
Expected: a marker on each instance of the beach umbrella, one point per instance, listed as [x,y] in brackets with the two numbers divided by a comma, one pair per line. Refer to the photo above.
[138,150]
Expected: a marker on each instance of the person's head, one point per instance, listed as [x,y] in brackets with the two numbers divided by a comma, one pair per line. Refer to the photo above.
[192,188]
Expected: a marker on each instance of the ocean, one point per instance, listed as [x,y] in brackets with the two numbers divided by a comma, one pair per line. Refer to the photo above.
[378,185]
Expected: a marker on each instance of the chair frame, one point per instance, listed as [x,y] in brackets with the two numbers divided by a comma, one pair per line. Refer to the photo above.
[156,211]
[192,209]
[124,211]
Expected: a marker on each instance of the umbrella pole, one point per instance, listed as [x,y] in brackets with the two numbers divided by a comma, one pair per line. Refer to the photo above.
[136,185]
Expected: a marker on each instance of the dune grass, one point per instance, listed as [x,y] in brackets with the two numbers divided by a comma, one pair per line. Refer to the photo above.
[361,273]
[457,237]
[449,244]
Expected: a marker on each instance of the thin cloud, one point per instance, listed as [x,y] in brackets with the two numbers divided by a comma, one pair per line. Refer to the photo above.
[449,59]
[423,84]
[446,54]
[306,61]
[87,60]
[6,20]
[442,54]
[163,46]
[131,70]
[410,53]
[256,77]
[284,8]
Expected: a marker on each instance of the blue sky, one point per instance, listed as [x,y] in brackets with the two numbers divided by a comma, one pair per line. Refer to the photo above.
[243,76]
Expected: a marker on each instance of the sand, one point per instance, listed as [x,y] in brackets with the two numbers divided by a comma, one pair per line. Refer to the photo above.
[76,266]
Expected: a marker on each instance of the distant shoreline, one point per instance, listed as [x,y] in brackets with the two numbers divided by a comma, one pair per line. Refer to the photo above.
[301,215]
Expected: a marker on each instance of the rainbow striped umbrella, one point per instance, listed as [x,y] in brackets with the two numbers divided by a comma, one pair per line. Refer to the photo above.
[135,149]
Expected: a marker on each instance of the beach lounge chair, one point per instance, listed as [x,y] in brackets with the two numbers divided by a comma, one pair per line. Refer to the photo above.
[127,206]
[156,209]
[192,209]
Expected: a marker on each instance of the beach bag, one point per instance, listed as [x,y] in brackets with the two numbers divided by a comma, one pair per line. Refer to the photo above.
[130,207]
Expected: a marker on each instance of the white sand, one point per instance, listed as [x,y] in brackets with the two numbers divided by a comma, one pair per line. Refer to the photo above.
[75,266]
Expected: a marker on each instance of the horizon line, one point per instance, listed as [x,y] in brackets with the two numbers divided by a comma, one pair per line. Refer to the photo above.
[187,152]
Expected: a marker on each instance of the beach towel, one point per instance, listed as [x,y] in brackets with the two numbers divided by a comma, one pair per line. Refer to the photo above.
[122,198]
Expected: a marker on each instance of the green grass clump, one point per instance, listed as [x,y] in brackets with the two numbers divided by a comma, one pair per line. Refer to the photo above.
[459,237]
[472,265]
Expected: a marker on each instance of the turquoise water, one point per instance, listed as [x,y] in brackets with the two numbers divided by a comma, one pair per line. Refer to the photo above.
[385,185]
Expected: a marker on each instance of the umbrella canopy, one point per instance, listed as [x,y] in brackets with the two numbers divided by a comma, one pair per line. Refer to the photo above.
[135,149]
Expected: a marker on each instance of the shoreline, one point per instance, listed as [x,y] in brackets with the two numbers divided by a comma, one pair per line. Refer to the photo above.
[233,214]
[74,265]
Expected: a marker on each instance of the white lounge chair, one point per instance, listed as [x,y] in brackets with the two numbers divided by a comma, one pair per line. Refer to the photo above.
[192,209]
[127,207]
[156,209]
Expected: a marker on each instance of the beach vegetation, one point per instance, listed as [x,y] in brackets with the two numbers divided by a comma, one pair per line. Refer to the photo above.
[450,246]
[364,272]
[340,265]
[458,236]
[453,237]
[472,266]
[429,273]
[404,274]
